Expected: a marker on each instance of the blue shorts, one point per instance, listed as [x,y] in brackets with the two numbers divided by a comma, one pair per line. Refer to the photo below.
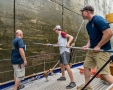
[64,58]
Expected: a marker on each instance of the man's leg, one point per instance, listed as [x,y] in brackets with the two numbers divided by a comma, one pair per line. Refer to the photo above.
[62,78]
[103,58]
[72,83]
[62,70]
[87,75]
[108,78]
[15,79]
[88,63]
[17,82]
[19,74]
[69,72]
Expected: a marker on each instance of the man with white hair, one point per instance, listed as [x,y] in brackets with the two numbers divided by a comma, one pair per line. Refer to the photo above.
[18,58]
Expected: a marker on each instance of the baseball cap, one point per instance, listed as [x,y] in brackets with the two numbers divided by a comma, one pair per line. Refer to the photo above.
[57,27]
[88,7]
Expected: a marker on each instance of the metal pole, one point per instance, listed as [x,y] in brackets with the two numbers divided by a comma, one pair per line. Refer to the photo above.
[55,45]
[14,19]
[44,62]
[62,16]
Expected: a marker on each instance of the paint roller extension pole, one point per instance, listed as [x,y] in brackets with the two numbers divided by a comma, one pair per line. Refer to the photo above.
[55,45]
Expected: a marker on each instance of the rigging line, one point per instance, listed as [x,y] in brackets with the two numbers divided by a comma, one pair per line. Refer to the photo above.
[78,31]
[73,50]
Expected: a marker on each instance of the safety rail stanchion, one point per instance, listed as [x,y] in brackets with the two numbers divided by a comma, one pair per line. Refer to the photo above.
[96,74]
[44,63]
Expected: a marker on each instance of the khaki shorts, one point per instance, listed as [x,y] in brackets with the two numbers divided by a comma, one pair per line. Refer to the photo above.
[19,73]
[93,60]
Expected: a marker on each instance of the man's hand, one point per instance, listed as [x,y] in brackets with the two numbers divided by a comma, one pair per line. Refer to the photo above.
[25,63]
[96,49]
[85,47]
[67,45]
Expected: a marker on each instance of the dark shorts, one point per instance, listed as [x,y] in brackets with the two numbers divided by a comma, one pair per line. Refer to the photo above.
[64,58]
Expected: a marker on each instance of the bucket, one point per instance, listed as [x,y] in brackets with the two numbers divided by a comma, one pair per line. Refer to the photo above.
[109,18]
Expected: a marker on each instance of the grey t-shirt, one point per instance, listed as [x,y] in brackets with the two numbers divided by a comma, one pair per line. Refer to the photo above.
[62,41]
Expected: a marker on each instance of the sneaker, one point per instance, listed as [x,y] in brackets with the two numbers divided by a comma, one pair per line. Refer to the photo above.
[71,85]
[20,86]
[61,79]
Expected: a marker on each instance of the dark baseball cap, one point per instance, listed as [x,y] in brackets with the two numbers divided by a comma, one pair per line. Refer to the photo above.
[88,7]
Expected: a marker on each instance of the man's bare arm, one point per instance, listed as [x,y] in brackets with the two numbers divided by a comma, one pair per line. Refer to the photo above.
[22,53]
[70,39]
[107,34]
[87,45]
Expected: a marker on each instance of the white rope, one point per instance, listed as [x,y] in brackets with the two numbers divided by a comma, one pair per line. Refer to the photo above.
[78,31]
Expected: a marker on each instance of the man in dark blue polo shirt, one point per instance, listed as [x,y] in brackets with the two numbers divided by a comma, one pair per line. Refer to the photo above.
[99,38]
[18,58]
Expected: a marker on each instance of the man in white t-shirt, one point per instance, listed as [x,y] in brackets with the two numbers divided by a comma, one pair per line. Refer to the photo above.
[64,55]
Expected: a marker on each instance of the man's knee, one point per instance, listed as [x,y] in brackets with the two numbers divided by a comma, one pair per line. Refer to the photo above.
[87,69]
[62,65]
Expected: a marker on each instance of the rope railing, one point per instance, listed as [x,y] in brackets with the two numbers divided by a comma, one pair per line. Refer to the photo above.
[6,71]
[28,67]
[31,57]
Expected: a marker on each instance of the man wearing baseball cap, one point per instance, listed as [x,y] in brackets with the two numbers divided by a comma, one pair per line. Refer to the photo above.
[64,55]
[99,33]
